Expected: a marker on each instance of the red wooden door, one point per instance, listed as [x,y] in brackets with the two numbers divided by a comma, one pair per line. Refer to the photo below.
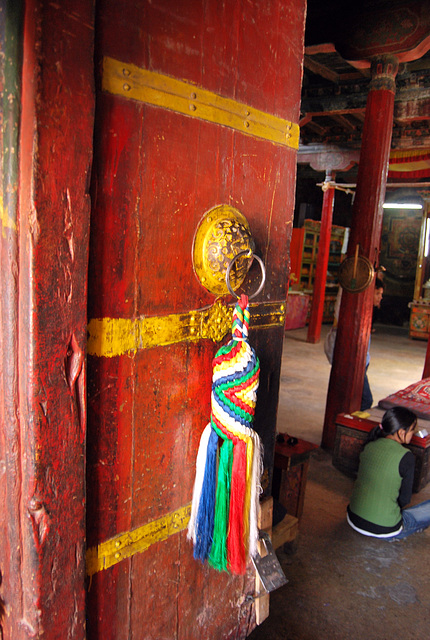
[196,107]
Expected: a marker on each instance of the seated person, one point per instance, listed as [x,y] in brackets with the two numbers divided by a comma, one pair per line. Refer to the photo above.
[384,483]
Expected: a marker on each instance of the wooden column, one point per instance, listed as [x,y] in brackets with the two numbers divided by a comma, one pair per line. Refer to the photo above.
[421,257]
[10,489]
[317,309]
[46,164]
[426,371]
[419,278]
[349,360]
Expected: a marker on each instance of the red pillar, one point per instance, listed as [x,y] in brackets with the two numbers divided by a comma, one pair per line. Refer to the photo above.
[426,372]
[317,309]
[419,280]
[355,317]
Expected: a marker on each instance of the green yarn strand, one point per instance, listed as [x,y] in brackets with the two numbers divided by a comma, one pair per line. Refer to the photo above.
[245,415]
[236,382]
[218,553]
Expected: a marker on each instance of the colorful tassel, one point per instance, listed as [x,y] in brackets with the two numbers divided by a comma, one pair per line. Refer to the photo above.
[223,522]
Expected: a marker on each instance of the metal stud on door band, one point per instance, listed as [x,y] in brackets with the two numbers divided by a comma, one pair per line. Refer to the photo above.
[230,265]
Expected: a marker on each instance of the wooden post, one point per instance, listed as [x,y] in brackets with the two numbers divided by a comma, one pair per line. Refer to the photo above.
[10,489]
[355,317]
[426,371]
[421,257]
[419,280]
[317,308]
[262,602]
[48,112]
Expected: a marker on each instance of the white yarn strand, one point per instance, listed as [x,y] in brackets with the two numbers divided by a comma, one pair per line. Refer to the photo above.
[198,482]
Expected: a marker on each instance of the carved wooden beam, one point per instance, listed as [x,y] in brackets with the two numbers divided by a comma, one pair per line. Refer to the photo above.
[327,47]
[320,69]
[342,120]
[317,128]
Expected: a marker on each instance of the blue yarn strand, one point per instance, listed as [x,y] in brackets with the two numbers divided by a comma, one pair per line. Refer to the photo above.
[230,379]
[206,511]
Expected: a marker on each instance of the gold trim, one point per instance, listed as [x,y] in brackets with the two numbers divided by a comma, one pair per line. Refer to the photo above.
[124,546]
[5,219]
[110,337]
[130,81]
[222,233]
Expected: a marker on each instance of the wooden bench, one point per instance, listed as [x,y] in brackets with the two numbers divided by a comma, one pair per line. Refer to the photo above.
[289,485]
[283,533]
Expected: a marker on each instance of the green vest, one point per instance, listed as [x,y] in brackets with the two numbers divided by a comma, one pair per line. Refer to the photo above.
[377,487]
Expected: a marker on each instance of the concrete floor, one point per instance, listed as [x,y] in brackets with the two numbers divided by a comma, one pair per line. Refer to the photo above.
[343,585]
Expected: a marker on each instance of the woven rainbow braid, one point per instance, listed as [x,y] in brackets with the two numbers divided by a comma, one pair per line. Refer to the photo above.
[223,522]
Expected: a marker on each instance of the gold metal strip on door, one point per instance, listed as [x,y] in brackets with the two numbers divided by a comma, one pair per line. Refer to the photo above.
[129,81]
[125,545]
[110,337]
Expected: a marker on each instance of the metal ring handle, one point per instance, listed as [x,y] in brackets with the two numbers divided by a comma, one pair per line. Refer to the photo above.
[230,265]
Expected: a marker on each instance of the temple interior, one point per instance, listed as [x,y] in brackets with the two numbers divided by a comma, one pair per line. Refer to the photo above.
[174,174]
[341,584]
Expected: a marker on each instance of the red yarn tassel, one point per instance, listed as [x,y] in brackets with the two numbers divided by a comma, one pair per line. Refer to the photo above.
[235,541]
[219,359]
[231,394]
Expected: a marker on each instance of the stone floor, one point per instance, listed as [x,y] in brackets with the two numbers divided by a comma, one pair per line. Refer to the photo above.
[342,585]
[396,361]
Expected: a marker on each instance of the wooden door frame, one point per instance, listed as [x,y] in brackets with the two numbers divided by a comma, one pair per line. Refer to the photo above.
[49,108]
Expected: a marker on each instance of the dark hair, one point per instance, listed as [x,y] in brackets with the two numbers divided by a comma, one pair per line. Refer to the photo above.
[379,284]
[392,421]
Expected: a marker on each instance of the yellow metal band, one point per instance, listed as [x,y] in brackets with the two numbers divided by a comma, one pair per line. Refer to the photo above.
[5,219]
[130,81]
[123,546]
[109,337]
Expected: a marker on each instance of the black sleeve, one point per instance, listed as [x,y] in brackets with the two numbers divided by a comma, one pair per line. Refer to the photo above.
[406,470]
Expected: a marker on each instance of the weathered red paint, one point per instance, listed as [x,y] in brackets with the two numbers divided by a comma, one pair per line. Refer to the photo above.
[156,173]
[317,308]
[44,583]
[402,30]
[355,317]
[426,370]
[11,71]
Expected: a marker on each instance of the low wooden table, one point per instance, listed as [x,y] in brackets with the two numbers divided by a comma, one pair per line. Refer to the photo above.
[290,475]
[351,435]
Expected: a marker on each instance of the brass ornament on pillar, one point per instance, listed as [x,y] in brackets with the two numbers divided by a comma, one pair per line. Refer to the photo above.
[222,234]
[356,273]
[384,70]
